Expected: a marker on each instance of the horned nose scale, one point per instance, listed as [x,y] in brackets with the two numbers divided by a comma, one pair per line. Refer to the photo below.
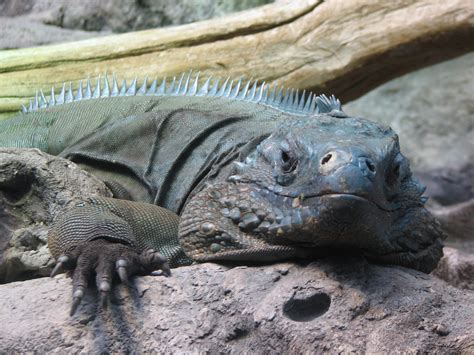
[334,159]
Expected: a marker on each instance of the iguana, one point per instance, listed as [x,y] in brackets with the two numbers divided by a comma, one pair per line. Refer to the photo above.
[231,171]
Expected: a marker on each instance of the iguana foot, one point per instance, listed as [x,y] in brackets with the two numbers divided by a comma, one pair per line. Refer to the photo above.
[106,260]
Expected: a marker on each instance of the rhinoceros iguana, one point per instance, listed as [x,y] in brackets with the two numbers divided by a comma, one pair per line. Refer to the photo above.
[223,171]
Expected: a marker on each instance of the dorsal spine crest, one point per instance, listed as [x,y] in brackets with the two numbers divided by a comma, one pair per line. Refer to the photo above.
[287,101]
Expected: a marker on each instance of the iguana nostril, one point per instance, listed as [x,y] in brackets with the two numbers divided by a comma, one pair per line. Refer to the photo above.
[370,165]
[326,158]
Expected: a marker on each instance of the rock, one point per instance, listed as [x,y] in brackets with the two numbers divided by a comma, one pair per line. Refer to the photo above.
[34,187]
[457,267]
[34,22]
[22,32]
[457,220]
[431,110]
[450,186]
[335,305]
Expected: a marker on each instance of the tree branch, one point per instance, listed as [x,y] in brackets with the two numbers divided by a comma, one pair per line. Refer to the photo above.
[333,46]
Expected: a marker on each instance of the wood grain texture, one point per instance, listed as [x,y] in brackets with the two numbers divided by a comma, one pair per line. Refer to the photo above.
[333,46]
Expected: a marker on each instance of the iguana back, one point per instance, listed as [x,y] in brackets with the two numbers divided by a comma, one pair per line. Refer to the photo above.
[157,141]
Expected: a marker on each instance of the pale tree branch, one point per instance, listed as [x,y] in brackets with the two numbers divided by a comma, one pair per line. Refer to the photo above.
[335,47]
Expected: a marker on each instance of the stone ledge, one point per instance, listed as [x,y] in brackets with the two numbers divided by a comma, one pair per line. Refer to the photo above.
[336,305]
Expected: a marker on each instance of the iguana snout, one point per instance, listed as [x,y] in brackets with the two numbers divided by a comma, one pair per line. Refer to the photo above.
[350,170]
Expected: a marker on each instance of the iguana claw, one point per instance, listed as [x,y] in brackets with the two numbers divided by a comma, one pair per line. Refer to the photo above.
[106,260]
[121,267]
[104,289]
[76,300]
[63,259]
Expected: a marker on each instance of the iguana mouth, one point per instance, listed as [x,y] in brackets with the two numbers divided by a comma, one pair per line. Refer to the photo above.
[306,199]
[283,193]
[282,215]
[354,196]
[232,214]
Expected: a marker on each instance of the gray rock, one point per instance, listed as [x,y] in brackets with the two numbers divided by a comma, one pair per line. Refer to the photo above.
[457,220]
[432,111]
[22,31]
[450,186]
[27,23]
[337,305]
[34,187]
[457,266]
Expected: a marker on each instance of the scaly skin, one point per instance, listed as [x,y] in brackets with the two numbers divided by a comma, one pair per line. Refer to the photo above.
[304,189]
[251,175]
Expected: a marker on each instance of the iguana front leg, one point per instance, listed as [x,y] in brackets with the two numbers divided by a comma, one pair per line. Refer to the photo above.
[110,237]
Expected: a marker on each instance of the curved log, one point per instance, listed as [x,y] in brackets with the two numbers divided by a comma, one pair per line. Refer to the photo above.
[334,46]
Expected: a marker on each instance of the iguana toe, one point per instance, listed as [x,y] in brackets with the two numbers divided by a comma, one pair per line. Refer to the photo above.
[121,268]
[104,289]
[106,260]
[76,300]
[104,275]
[151,261]
[80,278]
[60,265]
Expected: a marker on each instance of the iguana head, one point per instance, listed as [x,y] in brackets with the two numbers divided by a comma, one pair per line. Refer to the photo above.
[321,181]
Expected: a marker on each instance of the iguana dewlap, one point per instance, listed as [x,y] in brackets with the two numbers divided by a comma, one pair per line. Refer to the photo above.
[253,172]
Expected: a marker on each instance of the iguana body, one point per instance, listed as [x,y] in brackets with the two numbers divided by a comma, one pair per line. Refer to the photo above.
[254,174]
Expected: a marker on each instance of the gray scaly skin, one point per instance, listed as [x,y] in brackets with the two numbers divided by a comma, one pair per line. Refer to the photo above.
[254,174]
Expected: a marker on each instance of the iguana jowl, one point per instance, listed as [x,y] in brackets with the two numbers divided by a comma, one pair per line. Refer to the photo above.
[254,174]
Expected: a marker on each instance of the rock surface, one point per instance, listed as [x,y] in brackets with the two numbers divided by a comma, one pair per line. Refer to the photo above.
[336,305]
[34,187]
[28,23]
[457,266]
[457,220]
[432,111]
[22,31]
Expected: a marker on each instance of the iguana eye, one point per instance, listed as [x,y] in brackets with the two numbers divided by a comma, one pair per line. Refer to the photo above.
[285,157]
[288,162]
[394,172]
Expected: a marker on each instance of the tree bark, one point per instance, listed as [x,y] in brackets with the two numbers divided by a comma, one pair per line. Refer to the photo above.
[335,47]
